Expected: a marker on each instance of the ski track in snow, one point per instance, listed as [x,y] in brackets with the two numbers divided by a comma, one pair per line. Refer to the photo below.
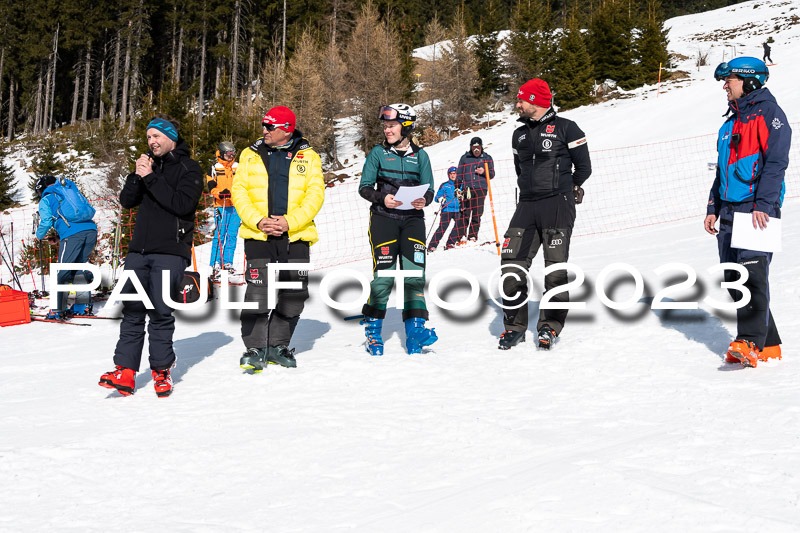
[632,422]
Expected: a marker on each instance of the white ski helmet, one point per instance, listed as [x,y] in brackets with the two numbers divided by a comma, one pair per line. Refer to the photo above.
[402,113]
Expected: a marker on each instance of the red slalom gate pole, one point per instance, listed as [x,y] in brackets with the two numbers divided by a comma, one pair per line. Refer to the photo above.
[491,206]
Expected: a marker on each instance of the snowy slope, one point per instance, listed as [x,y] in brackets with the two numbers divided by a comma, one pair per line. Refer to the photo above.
[631,423]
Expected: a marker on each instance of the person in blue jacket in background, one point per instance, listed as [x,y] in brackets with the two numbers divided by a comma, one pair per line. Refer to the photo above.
[753,153]
[77,235]
[450,198]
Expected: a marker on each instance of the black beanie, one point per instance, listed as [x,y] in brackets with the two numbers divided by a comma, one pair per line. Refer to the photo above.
[474,141]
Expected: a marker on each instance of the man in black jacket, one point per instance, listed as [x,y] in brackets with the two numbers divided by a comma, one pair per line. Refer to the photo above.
[166,187]
[545,148]
[472,181]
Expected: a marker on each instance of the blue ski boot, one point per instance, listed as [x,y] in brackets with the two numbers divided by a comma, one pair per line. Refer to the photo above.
[372,330]
[417,335]
[81,309]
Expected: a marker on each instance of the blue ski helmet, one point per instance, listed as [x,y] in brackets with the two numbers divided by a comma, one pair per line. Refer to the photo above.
[452,169]
[752,70]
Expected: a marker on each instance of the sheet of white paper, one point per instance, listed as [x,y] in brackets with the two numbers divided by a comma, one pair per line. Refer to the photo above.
[746,236]
[409,194]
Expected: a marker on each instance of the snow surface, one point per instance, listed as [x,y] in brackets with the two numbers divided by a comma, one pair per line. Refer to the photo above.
[631,423]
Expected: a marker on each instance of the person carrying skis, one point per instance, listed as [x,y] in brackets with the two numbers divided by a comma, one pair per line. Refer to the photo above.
[226,220]
[278,190]
[63,207]
[166,187]
[397,231]
[450,198]
[753,153]
[473,182]
[545,214]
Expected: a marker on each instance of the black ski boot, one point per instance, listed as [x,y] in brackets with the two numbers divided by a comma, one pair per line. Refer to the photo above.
[509,339]
[546,337]
[281,355]
[254,359]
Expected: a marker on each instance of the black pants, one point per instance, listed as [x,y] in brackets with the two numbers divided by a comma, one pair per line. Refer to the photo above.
[148,269]
[264,327]
[75,249]
[548,223]
[471,213]
[754,321]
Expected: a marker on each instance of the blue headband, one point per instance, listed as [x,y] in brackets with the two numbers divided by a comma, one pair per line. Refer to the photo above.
[165,127]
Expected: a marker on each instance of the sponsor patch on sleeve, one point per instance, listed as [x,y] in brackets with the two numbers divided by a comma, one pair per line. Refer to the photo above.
[576,143]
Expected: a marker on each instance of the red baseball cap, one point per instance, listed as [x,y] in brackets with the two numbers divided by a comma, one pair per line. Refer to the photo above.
[280,116]
[536,92]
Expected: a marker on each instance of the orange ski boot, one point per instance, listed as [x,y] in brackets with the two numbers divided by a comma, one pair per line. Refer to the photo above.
[745,352]
[770,352]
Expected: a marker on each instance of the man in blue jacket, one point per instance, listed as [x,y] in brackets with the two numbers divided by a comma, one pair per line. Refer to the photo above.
[753,153]
[77,233]
[473,182]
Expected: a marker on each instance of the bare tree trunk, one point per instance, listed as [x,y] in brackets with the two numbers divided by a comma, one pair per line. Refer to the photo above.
[2,68]
[115,76]
[200,102]
[179,59]
[126,78]
[219,69]
[135,70]
[334,20]
[174,53]
[76,94]
[44,123]
[235,49]
[102,105]
[52,79]
[37,119]
[250,74]
[283,39]
[11,83]
[86,78]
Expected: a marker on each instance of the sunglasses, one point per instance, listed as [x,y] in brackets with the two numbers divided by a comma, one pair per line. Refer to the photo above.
[273,127]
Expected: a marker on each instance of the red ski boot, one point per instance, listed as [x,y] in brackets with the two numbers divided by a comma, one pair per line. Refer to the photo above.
[162,381]
[123,379]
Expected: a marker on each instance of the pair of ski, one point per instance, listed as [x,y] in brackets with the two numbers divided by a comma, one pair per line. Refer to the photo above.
[43,318]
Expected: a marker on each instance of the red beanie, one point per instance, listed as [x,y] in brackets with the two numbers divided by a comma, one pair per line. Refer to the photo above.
[281,116]
[535,92]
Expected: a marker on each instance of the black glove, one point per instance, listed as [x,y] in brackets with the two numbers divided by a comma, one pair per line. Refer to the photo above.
[225,193]
[578,192]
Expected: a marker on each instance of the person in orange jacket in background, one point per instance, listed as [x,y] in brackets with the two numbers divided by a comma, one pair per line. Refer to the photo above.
[226,220]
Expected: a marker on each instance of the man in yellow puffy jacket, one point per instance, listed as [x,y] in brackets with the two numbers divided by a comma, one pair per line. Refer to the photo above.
[226,220]
[277,191]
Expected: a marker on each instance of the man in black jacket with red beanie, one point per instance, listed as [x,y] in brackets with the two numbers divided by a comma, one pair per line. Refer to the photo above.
[166,187]
[546,148]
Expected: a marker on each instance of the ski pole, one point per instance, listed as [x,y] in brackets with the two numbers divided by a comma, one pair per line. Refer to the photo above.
[491,205]
[435,216]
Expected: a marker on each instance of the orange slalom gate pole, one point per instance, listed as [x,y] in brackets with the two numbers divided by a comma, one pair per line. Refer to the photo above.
[491,206]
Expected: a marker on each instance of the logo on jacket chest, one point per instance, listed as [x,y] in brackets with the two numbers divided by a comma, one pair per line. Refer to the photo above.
[301,169]
[551,128]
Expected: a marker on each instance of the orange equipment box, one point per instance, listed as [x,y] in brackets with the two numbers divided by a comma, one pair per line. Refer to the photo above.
[14,307]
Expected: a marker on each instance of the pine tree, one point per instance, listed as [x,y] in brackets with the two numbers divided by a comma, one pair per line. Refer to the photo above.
[651,44]
[573,79]
[609,44]
[460,83]
[7,181]
[432,73]
[45,163]
[530,46]
[374,68]
[489,67]
[304,89]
